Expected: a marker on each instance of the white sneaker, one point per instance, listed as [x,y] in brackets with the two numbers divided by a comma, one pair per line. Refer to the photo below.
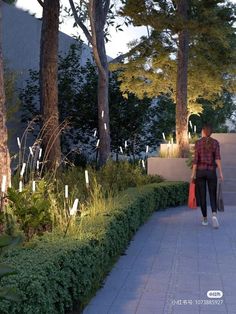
[204,222]
[215,222]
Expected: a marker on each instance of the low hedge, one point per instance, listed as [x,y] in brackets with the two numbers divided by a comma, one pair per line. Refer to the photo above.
[54,273]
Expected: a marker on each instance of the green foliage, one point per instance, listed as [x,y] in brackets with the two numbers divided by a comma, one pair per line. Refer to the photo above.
[46,209]
[219,109]
[163,119]
[32,210]
[139,122]
[130,120]
[7,241]
[119,176]
[152,64]
[8,293]
[77,98]
[55,272]
[109,179]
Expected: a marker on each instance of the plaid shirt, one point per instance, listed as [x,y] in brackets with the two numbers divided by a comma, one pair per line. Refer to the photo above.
[205,159]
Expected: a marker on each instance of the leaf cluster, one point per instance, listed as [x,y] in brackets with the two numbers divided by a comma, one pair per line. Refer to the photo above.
[32,210]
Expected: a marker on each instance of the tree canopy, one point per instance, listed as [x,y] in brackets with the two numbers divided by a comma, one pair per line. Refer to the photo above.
[151,65]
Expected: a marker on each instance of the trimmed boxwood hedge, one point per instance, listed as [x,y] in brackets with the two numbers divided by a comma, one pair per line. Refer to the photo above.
[54,273]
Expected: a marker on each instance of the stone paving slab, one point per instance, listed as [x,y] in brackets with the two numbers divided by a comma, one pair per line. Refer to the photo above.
[170,265]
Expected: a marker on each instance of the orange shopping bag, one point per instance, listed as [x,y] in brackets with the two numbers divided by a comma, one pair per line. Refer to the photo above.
[192,202]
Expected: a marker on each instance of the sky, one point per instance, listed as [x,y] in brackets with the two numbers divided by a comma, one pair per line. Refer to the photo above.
[119,40]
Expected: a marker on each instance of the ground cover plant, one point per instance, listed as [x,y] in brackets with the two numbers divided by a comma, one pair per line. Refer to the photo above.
[41,204]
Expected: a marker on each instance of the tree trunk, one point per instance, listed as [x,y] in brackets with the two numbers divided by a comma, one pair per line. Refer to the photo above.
[49,84]
[97,13]
[4,153]
[182,83]
[97,20]
[103,109]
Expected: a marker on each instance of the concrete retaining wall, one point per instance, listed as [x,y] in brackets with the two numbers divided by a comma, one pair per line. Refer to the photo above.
[174,169]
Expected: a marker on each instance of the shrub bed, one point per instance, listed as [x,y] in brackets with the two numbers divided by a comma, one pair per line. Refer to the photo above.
[53,272]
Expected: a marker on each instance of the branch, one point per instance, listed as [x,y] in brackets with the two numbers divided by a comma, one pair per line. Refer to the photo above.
[121,57]
[79,22]
[127,54]
[41,3]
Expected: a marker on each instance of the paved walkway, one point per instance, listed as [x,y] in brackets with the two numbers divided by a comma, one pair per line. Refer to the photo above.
[171,264]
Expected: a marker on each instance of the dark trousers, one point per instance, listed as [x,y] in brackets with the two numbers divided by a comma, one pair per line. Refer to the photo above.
[203,178]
